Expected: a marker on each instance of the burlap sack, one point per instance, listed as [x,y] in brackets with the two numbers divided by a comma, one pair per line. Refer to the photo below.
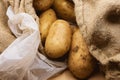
[99,21]
[6,37]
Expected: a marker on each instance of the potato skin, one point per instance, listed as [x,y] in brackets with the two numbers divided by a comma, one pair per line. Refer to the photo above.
[74,28]
[42,5]
[59,39]
[80,62]
[46,19]
[64,9]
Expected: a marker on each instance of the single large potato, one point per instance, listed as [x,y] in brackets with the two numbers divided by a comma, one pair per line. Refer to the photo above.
[64,9]
[80,62]
[46,20]
[59,39]
[42,5]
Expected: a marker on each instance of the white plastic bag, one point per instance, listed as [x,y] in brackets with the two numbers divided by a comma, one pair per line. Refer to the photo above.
[21,60]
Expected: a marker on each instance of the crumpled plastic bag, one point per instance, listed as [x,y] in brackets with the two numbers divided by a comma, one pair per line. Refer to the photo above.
[42,68]
[21,60]
[99,22]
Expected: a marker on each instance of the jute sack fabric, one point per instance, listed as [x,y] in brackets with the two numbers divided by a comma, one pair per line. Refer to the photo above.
[6,37]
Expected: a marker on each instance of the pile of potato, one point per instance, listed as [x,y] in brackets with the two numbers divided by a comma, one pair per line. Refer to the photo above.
[61,36]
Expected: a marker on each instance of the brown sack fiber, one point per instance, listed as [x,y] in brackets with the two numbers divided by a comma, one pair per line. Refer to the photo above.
[6,37]
[99,21]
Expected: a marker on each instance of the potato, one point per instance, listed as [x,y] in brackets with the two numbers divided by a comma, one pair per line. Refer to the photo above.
[66,75]
[42,5]
[46,20]
[59,39]
[80,62]
[64,9]
[74,28]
